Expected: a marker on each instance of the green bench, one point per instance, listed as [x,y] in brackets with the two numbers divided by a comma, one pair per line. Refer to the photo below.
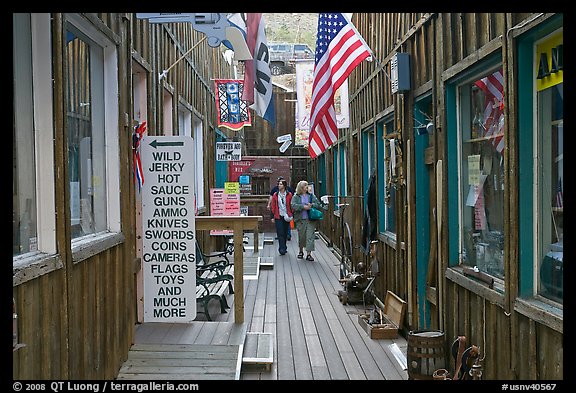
[213,279]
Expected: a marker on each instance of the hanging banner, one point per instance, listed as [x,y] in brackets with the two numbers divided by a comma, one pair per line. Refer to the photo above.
[304,81]
[232,111]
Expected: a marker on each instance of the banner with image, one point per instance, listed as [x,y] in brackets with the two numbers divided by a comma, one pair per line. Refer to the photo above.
[304,81]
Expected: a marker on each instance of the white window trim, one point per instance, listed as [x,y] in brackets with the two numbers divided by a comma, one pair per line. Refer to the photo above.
[34,264]
[191,125]
[111,125]
[388,233]
[44,132]
[167,119]
[538,184]
[199,162]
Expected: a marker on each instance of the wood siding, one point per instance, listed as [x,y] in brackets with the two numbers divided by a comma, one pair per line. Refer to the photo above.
[77,319]
[515,345]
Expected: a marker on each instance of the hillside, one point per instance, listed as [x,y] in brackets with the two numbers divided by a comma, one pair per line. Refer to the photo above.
[292,27]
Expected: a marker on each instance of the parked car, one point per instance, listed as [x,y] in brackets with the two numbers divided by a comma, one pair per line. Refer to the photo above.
[283,56]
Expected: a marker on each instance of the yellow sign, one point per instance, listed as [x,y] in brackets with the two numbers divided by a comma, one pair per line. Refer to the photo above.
[231,187]
[549,62]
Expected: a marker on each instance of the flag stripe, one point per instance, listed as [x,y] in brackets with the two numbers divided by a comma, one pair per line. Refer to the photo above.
[137,135]
[339,49]
[493,117]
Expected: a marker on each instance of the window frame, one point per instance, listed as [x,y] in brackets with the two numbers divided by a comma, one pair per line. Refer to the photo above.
[368,154]
[382,153]
[190,124]
[198,128]
[528,302]
[33,264]
[464,84]
[86,246]
[452,176]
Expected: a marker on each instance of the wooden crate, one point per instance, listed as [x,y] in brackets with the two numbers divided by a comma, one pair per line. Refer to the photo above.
[392,317]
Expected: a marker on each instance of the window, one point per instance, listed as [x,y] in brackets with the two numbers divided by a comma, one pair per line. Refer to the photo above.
[369,154]
[541,177]
[549,168]
[92,130]
[140,93]
[339,174]
[24,180]
[192,126]
[167,113]
[199,146]
[33,197]
[481,172]
[386,175]
[322,175]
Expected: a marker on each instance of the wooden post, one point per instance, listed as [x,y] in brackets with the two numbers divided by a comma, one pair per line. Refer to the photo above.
[238,224]
[238,273]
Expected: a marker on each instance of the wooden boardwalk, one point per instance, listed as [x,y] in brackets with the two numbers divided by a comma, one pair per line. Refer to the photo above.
[315,337]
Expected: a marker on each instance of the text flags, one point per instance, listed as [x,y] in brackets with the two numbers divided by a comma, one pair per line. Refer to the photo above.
[236,37]
[339,49]
[231,110]
[257,75]
[137,136]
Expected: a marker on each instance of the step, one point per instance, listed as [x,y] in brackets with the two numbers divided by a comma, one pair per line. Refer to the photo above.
[182,361]
[266,262]
[258,349]
[251,267]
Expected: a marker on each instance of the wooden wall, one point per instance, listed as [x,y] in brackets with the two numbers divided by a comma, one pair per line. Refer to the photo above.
[441,46]
[77,311]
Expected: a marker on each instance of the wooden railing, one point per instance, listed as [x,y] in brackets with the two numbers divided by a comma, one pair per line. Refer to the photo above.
[238,224]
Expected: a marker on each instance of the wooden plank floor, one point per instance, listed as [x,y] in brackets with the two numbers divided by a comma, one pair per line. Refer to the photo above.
[182,361]
[192,351]
[315,337]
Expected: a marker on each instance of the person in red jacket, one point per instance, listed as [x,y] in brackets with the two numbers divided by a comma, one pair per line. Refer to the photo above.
[281,214]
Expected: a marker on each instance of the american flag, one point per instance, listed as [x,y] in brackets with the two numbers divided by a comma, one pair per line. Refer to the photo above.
[136,138]
[559,194]
[493,117]
[339,49]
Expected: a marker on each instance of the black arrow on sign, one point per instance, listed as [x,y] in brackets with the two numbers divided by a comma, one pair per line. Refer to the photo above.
[155,144]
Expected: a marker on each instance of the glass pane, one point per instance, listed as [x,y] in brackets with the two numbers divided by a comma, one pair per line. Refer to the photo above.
[85,134]
[482,173]
[390,196]
[551,172]
[24,223]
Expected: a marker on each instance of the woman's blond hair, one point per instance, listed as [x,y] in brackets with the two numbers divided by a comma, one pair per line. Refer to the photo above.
[302,187]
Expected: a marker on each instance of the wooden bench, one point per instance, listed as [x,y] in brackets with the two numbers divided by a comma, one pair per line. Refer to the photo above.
[212,284]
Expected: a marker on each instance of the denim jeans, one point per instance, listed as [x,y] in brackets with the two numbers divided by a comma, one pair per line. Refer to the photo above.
[282,228]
